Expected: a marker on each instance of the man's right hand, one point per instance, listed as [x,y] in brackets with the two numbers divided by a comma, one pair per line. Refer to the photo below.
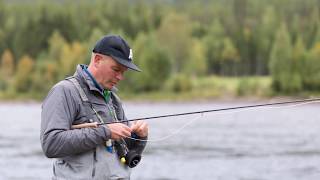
[119,130]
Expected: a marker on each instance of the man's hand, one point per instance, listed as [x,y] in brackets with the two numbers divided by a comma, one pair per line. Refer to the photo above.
[140,128]
[119,130]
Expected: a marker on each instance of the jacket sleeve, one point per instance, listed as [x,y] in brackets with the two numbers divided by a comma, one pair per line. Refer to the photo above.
[59,110]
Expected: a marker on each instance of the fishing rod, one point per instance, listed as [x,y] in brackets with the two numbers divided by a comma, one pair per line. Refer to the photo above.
[215,110]
[96,124]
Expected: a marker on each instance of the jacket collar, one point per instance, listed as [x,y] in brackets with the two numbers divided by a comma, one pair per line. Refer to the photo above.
[91,82]
[86,78]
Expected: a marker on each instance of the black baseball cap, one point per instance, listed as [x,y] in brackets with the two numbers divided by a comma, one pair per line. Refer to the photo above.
[118,49]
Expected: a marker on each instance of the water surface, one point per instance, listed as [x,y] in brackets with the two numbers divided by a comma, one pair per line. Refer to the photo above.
[253,144]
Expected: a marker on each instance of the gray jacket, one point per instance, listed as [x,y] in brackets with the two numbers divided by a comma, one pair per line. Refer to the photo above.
[80,153]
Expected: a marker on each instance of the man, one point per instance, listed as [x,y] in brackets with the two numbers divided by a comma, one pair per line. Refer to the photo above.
[89,97]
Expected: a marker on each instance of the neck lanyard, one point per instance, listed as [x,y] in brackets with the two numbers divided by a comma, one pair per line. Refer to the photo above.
[96,84]
[106,93]
[112,113]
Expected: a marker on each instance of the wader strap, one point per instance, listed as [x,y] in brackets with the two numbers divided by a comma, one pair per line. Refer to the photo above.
[83,96]
[116,100]
[81,91]
[117,106]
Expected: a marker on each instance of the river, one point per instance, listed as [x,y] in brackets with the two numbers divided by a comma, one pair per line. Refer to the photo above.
[250,144]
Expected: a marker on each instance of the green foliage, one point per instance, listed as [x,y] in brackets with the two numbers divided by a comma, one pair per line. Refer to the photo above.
[281,64]
[196,64]
[298,65]
[154,62]
[312,72]
[56,43]
[214,43]
[44,77]
[229,52]
[7,64]
[229,57]
[245,87]
[174,34]
[179,83]
[6,69]
[191,39]
[248,86]
[23,78]
[264,36]
[71,55]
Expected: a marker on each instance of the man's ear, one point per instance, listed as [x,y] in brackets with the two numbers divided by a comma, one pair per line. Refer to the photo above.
[97,59]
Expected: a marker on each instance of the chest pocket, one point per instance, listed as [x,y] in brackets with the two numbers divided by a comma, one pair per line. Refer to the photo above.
[103,112]
[96,110]
[84,115]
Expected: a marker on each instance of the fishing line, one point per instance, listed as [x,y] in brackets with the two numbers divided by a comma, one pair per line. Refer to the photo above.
[248,108]
[215,110]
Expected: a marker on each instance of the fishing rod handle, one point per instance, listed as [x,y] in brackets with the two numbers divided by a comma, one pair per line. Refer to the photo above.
[95,125]
[91,125]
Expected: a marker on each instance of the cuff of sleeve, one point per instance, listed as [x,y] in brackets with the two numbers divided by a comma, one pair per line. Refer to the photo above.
[107,132]
[134,135]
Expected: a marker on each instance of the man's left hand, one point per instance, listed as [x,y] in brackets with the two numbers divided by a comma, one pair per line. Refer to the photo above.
[140,128]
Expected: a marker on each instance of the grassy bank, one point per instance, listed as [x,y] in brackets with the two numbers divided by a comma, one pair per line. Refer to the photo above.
[212,87]
[203,89]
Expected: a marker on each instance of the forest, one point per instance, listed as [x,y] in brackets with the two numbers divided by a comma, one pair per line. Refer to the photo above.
[181,45]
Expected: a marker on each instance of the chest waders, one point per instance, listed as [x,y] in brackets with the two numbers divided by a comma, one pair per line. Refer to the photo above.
[129,157]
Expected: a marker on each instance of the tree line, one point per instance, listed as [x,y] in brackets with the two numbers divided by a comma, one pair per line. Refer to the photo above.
[173,41]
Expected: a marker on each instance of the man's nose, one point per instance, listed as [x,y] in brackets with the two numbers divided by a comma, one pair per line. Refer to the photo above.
[120,76]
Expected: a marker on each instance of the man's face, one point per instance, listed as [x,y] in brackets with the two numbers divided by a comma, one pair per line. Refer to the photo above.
[109,72]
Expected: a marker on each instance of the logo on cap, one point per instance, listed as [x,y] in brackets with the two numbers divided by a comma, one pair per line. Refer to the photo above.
[130,54]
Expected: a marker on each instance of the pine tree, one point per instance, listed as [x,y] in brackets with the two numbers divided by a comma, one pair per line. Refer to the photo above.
[214,42]
[280,60]
[23,77]
[6,69]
